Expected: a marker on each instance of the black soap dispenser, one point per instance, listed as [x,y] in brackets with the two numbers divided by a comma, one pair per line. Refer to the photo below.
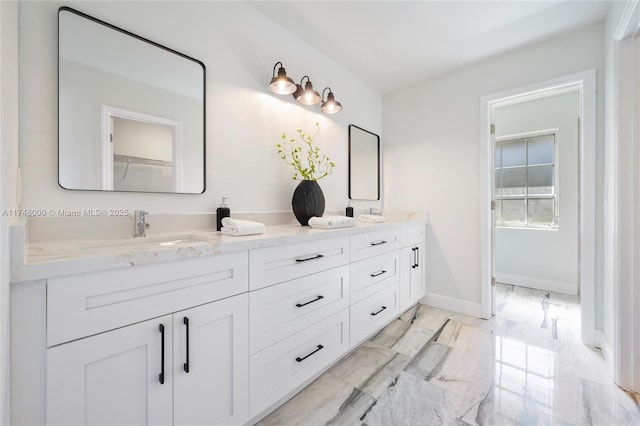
[349,210]
[222,212]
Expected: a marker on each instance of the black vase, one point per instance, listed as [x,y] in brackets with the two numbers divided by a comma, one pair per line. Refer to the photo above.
[307,201]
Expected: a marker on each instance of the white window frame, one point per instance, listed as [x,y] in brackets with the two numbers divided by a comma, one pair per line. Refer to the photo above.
[555,195]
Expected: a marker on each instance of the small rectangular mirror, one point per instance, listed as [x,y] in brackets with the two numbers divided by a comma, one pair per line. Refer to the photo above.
[364,164]
[131,112]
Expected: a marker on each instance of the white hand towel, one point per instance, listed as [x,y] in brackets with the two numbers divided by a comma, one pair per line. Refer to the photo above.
[370,218]
[241,227]
[331,222]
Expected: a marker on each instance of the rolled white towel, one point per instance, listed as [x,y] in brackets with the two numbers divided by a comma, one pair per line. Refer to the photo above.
[370,218]
[241,227]
[331,222]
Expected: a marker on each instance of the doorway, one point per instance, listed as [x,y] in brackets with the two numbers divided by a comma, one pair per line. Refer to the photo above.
[140,152]
[546,212]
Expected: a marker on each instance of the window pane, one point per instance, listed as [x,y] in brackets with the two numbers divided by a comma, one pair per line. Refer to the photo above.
[498,156]
[498,213]
[541,212]
[513,213]
[498,191]
[513,181]
[513,154]
[541,150]
[540,180]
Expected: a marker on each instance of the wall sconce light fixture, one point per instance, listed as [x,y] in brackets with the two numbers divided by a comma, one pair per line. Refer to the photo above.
[306,96]
[330,106]
[283,85]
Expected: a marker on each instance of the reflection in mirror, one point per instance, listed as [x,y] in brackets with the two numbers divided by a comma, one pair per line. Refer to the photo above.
[131,112]
[364,164]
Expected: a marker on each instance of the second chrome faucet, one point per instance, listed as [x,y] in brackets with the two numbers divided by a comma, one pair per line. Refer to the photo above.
[140,223]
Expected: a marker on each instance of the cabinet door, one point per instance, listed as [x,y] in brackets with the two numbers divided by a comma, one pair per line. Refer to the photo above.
[211,382]
[412,286]
[112,378]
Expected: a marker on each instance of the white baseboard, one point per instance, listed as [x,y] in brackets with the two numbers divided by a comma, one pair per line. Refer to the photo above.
[452,304]
[538,283]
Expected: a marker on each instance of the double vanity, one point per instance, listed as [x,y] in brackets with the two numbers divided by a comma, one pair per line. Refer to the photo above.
[198,328]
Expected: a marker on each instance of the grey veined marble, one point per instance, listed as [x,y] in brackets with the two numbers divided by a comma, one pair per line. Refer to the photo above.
[526,366]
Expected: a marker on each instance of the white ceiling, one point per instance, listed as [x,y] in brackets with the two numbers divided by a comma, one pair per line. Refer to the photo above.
[394,44]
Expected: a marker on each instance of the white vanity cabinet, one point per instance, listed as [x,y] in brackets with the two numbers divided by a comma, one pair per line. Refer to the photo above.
[375,276]
[299,316]
[412,269]
[152,373]
[165,343]
[222,337]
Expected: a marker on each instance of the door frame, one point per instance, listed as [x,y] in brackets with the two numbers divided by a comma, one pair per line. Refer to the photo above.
[586,83]
[622,232]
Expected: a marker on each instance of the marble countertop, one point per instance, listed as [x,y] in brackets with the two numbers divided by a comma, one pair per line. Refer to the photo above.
[52,259]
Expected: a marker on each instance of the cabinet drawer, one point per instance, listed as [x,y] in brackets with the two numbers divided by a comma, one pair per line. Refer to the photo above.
[371,275]
[412,234]
[281,368]
[272,265]
[374,243]
[281,310]
[372,313]
[82,305]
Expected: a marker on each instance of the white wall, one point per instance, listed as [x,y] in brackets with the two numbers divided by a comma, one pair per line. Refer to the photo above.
[432,152]
[239,47]
[540,258]
[8,173]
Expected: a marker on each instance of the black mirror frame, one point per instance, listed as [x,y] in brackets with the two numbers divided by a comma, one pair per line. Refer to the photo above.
[153,43]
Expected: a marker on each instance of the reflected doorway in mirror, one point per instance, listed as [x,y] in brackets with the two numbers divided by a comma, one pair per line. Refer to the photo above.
[140,152]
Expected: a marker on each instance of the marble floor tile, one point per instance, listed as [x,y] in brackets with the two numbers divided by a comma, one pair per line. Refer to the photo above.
[328,400]
[525,366]
[411,401]
[413,340]
[391,334]
[370,368]
[430,318]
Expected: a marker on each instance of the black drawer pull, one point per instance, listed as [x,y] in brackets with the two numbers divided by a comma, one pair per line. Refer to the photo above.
[378,274]
[161,376]
[185,320]
[303,358]
[318,256]
[417,257]
[377,243]
[414,265]
[300,305]
[381,309]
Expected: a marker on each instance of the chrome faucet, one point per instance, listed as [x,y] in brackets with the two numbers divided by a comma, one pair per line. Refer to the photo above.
[140,223]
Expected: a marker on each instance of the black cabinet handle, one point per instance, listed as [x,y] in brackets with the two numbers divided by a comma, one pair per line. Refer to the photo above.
[381,309]
[413,265]
[161,376]
[319,256]
[377,243]
[300,305]
[305,357]
[185,321]
[378,274]
[417,256]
